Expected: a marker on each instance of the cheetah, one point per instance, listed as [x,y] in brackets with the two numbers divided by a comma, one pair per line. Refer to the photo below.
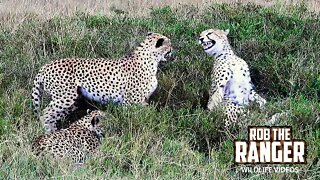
[231,87]
[76,142]
[128,80]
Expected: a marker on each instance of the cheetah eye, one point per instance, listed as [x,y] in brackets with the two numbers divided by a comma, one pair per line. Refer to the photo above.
[159,42]
[209,33]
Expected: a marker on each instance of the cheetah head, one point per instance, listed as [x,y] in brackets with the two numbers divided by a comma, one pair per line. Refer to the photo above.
[213,41]
[157,46]
[92,122]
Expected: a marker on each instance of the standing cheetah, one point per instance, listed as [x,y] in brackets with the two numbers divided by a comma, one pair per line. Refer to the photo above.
[128,80]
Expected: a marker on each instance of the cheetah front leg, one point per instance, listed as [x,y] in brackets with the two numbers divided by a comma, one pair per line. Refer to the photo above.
[137,94]
[58,109]
[153,84]
[214,101]
[217,96]
[218,87]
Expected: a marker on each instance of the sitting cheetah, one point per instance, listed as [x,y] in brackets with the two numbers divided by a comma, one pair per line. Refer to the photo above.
[76,142]
[129,80]
[231,87]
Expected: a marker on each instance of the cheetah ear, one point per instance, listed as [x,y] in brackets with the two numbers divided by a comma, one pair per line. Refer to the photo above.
[149,33]
[89,111]
[95,120]
[226,32]
[159,42]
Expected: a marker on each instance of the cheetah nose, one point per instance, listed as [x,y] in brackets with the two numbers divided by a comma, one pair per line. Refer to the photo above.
[201,39]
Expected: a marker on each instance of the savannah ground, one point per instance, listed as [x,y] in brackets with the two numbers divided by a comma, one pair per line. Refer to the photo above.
[174,137]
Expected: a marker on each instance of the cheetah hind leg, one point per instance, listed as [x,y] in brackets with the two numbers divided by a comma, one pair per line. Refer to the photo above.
[58,109]
[233,112]
[79,158]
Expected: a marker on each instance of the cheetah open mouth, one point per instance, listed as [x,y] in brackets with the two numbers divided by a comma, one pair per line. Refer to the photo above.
[100,134]
[207,45]
[167,55]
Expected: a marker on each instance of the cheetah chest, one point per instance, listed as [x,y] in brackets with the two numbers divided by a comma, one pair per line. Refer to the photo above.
[238,87]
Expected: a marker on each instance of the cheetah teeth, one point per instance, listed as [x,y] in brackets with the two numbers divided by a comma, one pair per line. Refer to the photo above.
[167,55]
[207,45]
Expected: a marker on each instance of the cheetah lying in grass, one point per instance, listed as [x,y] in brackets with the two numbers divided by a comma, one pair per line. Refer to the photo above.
[76,142]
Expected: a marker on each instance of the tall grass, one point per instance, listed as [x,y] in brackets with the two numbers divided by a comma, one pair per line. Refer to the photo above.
[174,137]
[15,12]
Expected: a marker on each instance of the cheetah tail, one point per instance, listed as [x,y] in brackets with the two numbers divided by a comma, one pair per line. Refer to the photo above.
[37,93]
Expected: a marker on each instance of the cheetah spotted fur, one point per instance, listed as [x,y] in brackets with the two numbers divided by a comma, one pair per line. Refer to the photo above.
[231,87]
[129,80]
[76,142]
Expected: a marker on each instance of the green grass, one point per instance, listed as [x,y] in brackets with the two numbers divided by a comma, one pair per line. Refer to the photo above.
[174,137]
